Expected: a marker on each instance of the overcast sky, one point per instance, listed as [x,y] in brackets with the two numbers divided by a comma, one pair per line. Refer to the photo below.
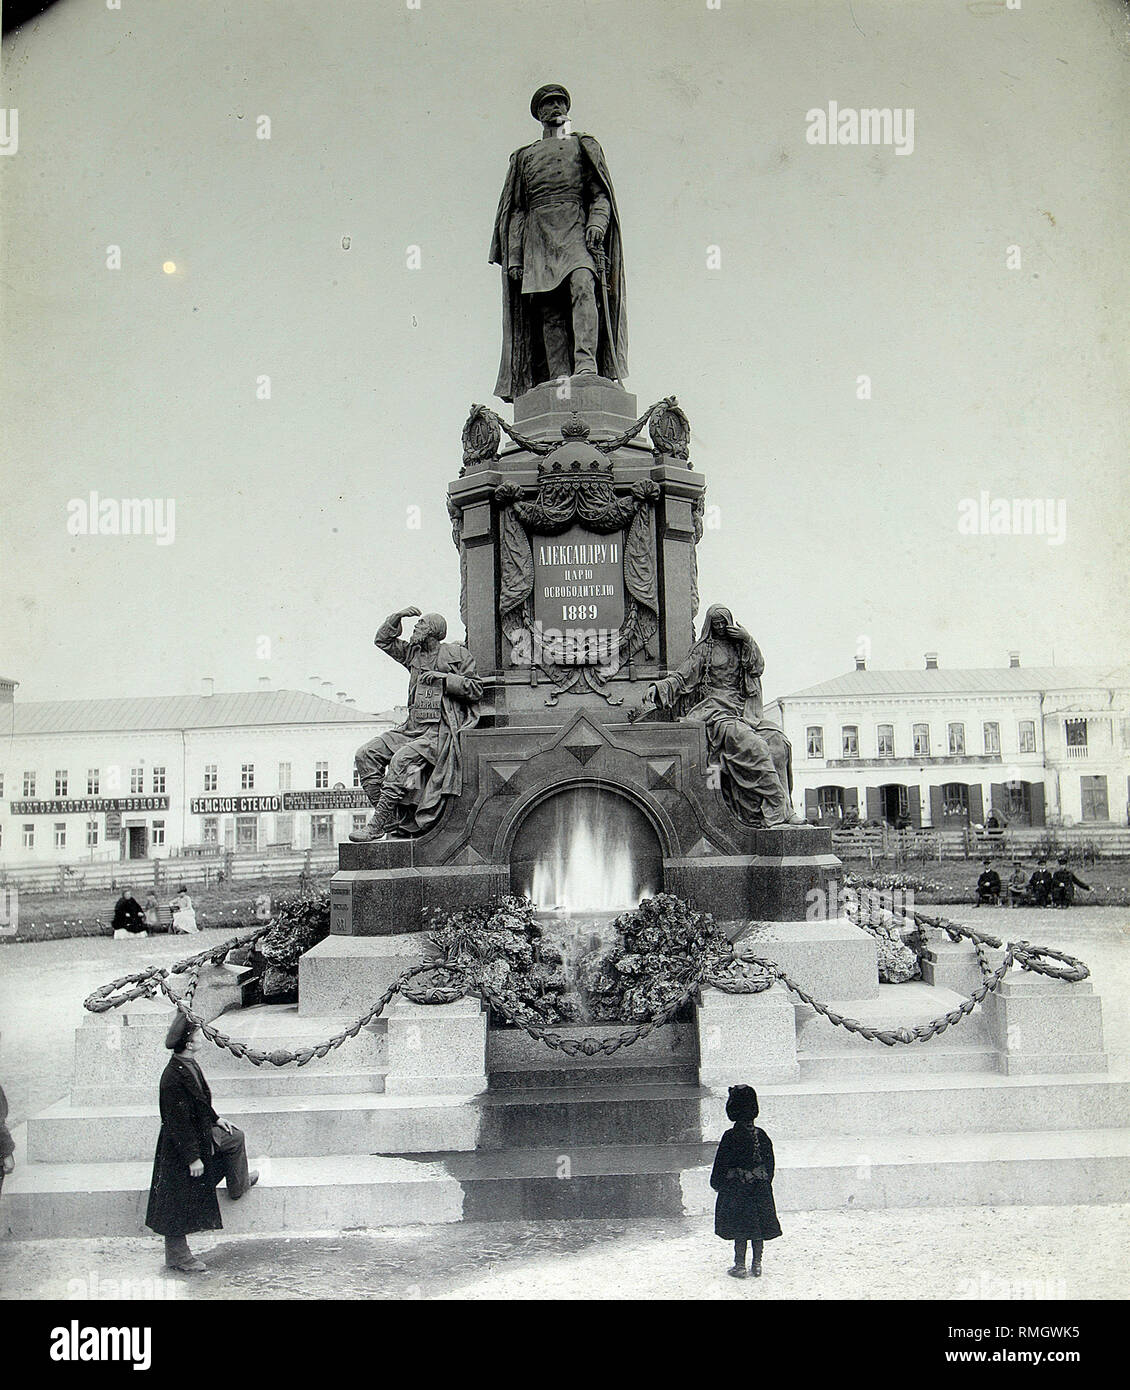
[391,127]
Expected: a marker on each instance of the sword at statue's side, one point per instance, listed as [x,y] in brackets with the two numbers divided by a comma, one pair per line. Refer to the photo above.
[602,275]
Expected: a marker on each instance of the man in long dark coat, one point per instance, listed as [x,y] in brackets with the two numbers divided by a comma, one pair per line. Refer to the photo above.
[557,239]
[196,1150]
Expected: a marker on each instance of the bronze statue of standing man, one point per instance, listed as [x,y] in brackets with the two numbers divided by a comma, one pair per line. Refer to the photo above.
[557,239]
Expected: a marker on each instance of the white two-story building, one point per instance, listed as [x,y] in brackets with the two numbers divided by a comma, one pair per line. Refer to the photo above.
[102,780]
[943,749]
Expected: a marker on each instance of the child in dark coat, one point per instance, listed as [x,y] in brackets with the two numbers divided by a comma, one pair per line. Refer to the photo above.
[743,1179]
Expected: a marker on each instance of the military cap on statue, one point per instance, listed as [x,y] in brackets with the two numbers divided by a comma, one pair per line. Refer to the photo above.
[179,1032]
[552,89]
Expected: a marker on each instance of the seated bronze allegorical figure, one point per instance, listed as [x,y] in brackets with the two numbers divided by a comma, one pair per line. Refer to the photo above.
[719,685]
[408,772]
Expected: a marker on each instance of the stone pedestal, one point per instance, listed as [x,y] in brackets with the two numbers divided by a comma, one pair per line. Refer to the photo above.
[951,965]
[605,407]
[830,960]
[343,975]
[119,1055]
[436,1049]
[746,1038]
[1044,1025]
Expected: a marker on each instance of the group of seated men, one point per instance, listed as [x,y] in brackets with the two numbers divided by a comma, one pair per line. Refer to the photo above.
[1043,889]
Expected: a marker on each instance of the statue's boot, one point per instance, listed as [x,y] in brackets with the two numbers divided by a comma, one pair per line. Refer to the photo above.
[383,817]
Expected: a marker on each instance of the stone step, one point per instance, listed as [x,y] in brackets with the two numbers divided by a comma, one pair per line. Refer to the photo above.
[592,1115]
[343,1192]
[281,1126]
[678,1112]
[271,1027]
[364,1120]
[671,1044]
[545,1078]
[119,1056]
[924,1060]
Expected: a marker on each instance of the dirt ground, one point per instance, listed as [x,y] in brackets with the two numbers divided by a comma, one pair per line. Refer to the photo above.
[967,1253]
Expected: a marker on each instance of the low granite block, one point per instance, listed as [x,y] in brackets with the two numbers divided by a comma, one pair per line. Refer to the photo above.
[344,974]
[829,960]
[436,1049]
[746,1039]
[1046,1025]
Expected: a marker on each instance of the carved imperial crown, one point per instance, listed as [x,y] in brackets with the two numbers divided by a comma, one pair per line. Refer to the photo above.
[573,457]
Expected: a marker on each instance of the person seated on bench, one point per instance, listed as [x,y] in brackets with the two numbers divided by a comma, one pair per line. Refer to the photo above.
[1017,885]
[1040,885]
[1064,884]
[988,886]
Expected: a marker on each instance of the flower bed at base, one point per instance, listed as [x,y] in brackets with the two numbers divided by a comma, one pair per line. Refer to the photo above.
[507,950]
[662,943]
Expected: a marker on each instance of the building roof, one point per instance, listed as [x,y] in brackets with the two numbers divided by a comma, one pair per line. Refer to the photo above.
[247,709]
[1014,680]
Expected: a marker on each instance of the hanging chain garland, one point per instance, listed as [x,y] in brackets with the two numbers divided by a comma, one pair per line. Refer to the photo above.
[450,981]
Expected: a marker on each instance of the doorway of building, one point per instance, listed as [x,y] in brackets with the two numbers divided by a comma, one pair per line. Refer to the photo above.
[137,841]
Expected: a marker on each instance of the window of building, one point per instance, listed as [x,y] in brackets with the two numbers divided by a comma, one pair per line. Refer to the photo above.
[158,779]
[210,778]
[321,775]
[29,836]
[851,740]
[992,738]
[247,832]
[815,741]
[1075,731]
[955,799]
[29,784]
[284,830]
[136,780]
[1093,798]
[284,777]
[956,734]
[359,822]
[93,781]
[921,734]
[158,837]
[830,801]
[247,777]
[321,830]
[92,834]
[210,832]
[1,784]
[60,834]
[61,780]
[885,738]
[1027,738]
[356,777]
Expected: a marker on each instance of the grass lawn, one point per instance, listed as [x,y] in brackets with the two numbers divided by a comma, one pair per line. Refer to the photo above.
[956,879]
[231,902]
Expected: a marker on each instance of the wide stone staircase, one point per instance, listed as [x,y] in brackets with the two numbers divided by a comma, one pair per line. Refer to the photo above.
[631,1134]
